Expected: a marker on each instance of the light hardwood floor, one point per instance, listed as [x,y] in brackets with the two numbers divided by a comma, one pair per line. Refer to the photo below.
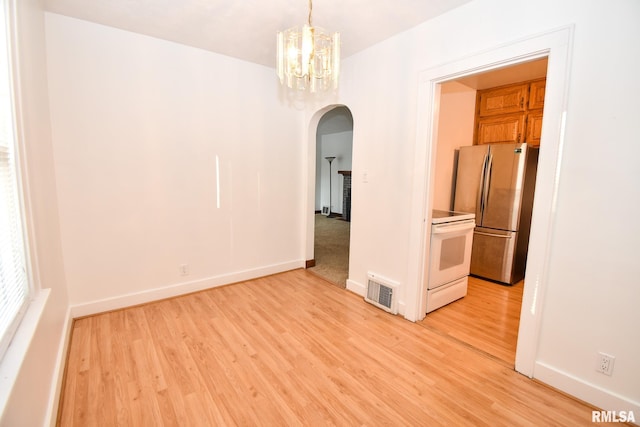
[289,349]
[487,318]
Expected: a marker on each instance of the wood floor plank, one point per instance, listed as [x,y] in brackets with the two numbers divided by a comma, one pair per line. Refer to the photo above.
[291,349]
[487,318]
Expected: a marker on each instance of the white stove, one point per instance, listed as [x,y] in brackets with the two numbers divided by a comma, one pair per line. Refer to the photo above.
[450,257]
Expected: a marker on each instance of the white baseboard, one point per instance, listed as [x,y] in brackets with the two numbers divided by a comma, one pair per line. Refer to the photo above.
[402,310]
[128,300]
[356,287]
[590,393]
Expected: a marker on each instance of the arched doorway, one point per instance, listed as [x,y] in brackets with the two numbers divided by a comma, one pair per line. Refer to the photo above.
[333,147]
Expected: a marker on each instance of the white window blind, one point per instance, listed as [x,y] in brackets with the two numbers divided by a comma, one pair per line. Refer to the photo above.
[14,288]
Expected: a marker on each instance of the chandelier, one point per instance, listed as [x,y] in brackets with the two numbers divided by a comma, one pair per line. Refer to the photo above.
[308,57]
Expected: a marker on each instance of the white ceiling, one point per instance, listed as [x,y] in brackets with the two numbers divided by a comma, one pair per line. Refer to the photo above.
[246,29]
[503,76]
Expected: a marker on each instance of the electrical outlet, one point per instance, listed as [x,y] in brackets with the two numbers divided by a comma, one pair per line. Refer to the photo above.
[184,269]
[605,363]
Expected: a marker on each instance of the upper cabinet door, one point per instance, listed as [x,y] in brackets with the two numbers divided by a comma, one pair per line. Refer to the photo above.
[503,100]
[502,129]
[536,94]
[534,128]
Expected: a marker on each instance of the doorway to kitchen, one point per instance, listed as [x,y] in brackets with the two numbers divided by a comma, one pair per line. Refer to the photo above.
[487,318]
[332,207]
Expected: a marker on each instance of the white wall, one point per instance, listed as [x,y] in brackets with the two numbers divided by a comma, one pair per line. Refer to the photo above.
[591,295]
[145,132]
[34,394]
[455,130]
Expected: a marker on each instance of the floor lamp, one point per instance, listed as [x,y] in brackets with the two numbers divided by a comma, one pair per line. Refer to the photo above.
[330,159]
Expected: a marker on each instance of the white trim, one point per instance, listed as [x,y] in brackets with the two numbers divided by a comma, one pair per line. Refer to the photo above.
[583,390]
[22,170]
[556,44]
[51,414]
[129,300]
[17,351]
[309,153]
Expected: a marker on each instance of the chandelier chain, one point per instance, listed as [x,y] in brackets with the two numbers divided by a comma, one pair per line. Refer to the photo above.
[310,9]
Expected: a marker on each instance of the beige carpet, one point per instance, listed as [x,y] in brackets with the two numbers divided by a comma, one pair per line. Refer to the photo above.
[331,249]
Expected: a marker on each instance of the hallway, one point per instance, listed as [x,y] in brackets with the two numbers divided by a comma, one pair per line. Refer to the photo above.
[331,249]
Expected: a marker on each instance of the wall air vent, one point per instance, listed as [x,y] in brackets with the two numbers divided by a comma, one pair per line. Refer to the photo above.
[382,293]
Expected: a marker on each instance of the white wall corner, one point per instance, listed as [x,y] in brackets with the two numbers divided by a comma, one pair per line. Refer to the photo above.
[402,310]
[356,288]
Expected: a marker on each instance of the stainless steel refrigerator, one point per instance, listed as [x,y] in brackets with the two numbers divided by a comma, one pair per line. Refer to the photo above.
[497,183]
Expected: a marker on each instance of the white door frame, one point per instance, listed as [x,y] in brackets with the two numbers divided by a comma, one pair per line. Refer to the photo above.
[556,45]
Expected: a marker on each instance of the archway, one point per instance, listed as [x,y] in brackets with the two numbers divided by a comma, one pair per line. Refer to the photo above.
[330,148]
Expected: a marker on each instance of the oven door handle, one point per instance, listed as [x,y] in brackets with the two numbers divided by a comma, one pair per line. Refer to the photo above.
[443,229]
[502,236]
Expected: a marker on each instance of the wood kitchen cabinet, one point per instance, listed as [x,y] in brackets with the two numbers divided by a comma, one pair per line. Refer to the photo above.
[511,113]
[505,128]
[536,94]
[503,100]
[534,128]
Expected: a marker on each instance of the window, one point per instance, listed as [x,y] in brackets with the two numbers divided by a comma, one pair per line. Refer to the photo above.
[14,287]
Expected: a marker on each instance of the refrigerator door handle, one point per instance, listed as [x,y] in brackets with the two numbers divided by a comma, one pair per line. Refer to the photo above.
[487,184]
[481,190]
